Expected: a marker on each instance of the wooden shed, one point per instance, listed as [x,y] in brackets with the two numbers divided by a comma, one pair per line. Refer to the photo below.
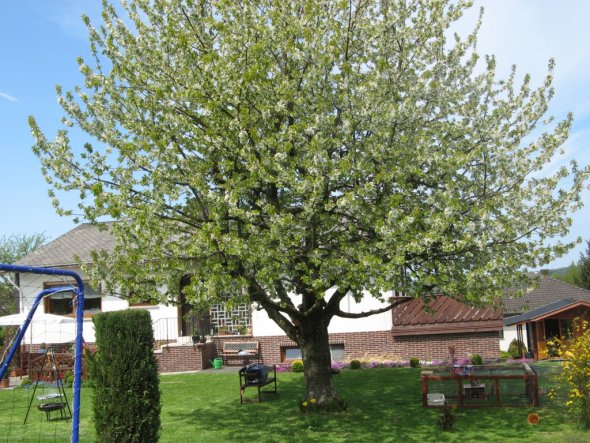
[548,322]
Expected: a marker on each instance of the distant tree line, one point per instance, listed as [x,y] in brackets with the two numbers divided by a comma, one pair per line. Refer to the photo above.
[578,273]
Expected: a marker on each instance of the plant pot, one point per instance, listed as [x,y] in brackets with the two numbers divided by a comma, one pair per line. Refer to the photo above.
[4,383]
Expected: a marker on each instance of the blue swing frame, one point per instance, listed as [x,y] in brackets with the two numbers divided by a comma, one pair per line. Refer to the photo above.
[79,328]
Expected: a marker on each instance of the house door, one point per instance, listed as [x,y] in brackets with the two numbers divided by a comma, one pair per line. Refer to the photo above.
[191,322]
[552,332]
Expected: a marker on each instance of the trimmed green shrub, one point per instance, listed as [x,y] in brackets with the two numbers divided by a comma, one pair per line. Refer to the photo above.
[297,366]
[414,362]
[355,364]
[126,401]
[513,348]
[476,359]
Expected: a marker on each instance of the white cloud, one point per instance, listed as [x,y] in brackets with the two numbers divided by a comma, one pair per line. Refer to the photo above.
[8,97]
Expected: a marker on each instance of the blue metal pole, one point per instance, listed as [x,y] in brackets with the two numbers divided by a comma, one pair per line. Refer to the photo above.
[26,323]
[79,328]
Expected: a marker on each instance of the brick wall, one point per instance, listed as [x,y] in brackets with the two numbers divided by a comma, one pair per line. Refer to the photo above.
[185,357]
[383,343]
[181,358]
[436,347]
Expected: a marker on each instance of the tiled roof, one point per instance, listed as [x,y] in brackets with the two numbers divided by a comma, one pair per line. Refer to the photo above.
[443,315]
[539,312]
[71,248]
[543,291]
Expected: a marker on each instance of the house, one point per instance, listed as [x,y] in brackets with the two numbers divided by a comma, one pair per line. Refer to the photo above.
[407,331]
[430,332]
[545,311]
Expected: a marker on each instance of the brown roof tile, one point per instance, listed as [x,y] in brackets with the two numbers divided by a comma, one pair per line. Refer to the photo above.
[542,291]
[64,250]
[443,315]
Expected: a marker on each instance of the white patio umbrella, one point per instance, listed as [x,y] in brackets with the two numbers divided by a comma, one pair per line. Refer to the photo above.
[38,317]
[44,328]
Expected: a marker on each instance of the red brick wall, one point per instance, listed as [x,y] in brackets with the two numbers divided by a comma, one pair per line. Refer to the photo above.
[383,343]
[185,358]
[436,347]
[356,345]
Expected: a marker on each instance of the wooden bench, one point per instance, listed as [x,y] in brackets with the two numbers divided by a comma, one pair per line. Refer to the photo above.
[252,379]
[246,351]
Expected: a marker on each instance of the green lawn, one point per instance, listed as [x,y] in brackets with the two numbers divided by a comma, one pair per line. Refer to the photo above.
[384,405]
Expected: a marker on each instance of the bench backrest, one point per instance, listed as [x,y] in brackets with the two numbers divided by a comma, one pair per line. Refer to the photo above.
[236,347]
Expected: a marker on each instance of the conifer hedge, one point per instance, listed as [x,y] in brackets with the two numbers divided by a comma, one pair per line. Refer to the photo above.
[124,372]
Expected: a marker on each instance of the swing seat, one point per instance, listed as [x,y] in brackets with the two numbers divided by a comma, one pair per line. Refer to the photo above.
[48,408]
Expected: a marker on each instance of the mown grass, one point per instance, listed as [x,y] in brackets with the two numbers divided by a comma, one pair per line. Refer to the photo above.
[384,405]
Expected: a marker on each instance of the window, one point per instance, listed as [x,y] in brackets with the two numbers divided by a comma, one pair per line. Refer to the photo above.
[60,303]
[551,328]
[337,351]
[289,353]
[567,329]
[63,303]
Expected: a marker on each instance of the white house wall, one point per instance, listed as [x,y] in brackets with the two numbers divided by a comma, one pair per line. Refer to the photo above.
[262,325]
[164,318]
[509,335]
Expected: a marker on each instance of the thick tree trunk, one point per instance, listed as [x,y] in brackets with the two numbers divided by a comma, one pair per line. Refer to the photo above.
[315,348]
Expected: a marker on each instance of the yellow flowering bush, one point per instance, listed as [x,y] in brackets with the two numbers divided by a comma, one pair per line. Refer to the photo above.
[576,370]
[309,408]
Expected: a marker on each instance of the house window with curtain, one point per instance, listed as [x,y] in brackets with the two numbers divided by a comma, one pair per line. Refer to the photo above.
[64,303]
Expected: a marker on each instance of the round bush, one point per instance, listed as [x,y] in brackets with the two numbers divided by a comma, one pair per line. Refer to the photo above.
[297,366]
[513,348]
[355,364]
[476,359]
[414,362]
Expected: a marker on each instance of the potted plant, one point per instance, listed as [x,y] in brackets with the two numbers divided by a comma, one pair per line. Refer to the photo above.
[5,381]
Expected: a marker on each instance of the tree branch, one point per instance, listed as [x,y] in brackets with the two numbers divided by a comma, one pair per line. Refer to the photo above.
[343,314]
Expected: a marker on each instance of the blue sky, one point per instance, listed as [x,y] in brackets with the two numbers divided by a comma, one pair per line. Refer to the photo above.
[40,41]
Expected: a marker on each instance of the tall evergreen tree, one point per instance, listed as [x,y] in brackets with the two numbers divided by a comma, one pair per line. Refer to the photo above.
[318,148]
[583,276]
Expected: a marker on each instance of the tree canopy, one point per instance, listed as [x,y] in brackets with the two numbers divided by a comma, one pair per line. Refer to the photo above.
[13,248]
[277,147]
